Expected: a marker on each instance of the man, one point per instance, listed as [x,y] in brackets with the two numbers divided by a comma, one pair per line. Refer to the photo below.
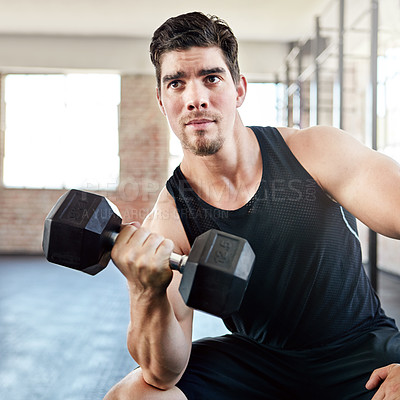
[310,326]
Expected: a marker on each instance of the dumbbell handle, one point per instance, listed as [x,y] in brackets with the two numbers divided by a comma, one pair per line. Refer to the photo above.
[177,262]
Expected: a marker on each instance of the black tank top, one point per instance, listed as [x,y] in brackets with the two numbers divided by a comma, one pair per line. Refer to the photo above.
[308,288]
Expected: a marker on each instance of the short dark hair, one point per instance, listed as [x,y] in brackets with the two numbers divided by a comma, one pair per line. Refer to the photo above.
[191,30]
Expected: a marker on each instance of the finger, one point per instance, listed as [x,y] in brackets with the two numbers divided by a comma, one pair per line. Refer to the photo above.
[165,248]
[127,230]
[132,236]
[377,377]
[164,251]
[152,242]
[379,395]
[139,238]
[135,223]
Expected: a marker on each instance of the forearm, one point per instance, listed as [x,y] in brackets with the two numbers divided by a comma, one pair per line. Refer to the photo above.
[156,340]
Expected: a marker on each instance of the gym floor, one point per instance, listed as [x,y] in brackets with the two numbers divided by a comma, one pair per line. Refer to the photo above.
[63,333]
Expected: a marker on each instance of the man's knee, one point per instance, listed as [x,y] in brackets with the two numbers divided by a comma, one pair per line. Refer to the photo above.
[128,388]
[134,387]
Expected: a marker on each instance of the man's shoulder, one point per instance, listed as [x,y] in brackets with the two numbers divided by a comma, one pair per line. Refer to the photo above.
[316,140]
[318,133]
[317,148]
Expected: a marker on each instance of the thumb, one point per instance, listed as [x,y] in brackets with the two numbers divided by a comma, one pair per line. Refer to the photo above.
[377,377]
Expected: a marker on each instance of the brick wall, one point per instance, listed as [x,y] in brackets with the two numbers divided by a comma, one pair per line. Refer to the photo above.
[144,148]
[144,141]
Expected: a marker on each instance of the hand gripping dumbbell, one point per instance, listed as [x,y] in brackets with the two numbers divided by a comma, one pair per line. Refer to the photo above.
[81,229]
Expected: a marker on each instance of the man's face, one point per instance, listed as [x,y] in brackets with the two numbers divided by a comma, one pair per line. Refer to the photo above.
[199,98]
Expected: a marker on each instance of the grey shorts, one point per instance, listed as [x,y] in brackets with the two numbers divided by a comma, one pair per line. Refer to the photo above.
[235,367]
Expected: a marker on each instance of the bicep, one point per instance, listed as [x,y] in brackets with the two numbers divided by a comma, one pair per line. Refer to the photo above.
[365,182]
[372,193]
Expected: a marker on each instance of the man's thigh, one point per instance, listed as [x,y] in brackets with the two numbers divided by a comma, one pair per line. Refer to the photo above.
[233,367]
[343,371]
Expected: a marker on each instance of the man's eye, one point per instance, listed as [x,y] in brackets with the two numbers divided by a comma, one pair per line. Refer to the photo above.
[213,79]
[175,84]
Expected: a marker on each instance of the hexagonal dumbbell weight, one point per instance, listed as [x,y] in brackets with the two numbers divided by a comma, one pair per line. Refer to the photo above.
[81,228]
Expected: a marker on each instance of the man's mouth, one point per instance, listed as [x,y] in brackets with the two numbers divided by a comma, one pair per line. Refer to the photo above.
[200,123]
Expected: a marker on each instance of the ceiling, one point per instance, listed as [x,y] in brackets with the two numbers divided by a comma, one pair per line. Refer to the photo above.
[252,20]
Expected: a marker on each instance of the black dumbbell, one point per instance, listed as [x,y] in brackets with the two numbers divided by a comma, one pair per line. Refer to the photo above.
[81,228]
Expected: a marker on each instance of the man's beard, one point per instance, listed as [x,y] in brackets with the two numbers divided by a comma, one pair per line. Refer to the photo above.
[201,146]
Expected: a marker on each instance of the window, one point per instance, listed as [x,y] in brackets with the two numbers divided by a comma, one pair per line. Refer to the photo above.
[259,108]
[61,131]
[388,104]
[260,105]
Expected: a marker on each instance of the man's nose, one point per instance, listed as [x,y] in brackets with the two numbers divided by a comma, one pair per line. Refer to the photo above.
[196,96]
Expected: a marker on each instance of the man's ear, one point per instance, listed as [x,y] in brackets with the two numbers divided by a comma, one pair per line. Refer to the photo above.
[160,104]
[241,89]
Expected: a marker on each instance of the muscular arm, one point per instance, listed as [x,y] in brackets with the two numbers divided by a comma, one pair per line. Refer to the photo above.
[160,329]
[365,182]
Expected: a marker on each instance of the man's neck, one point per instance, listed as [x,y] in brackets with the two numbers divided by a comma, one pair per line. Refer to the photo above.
[229,178]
